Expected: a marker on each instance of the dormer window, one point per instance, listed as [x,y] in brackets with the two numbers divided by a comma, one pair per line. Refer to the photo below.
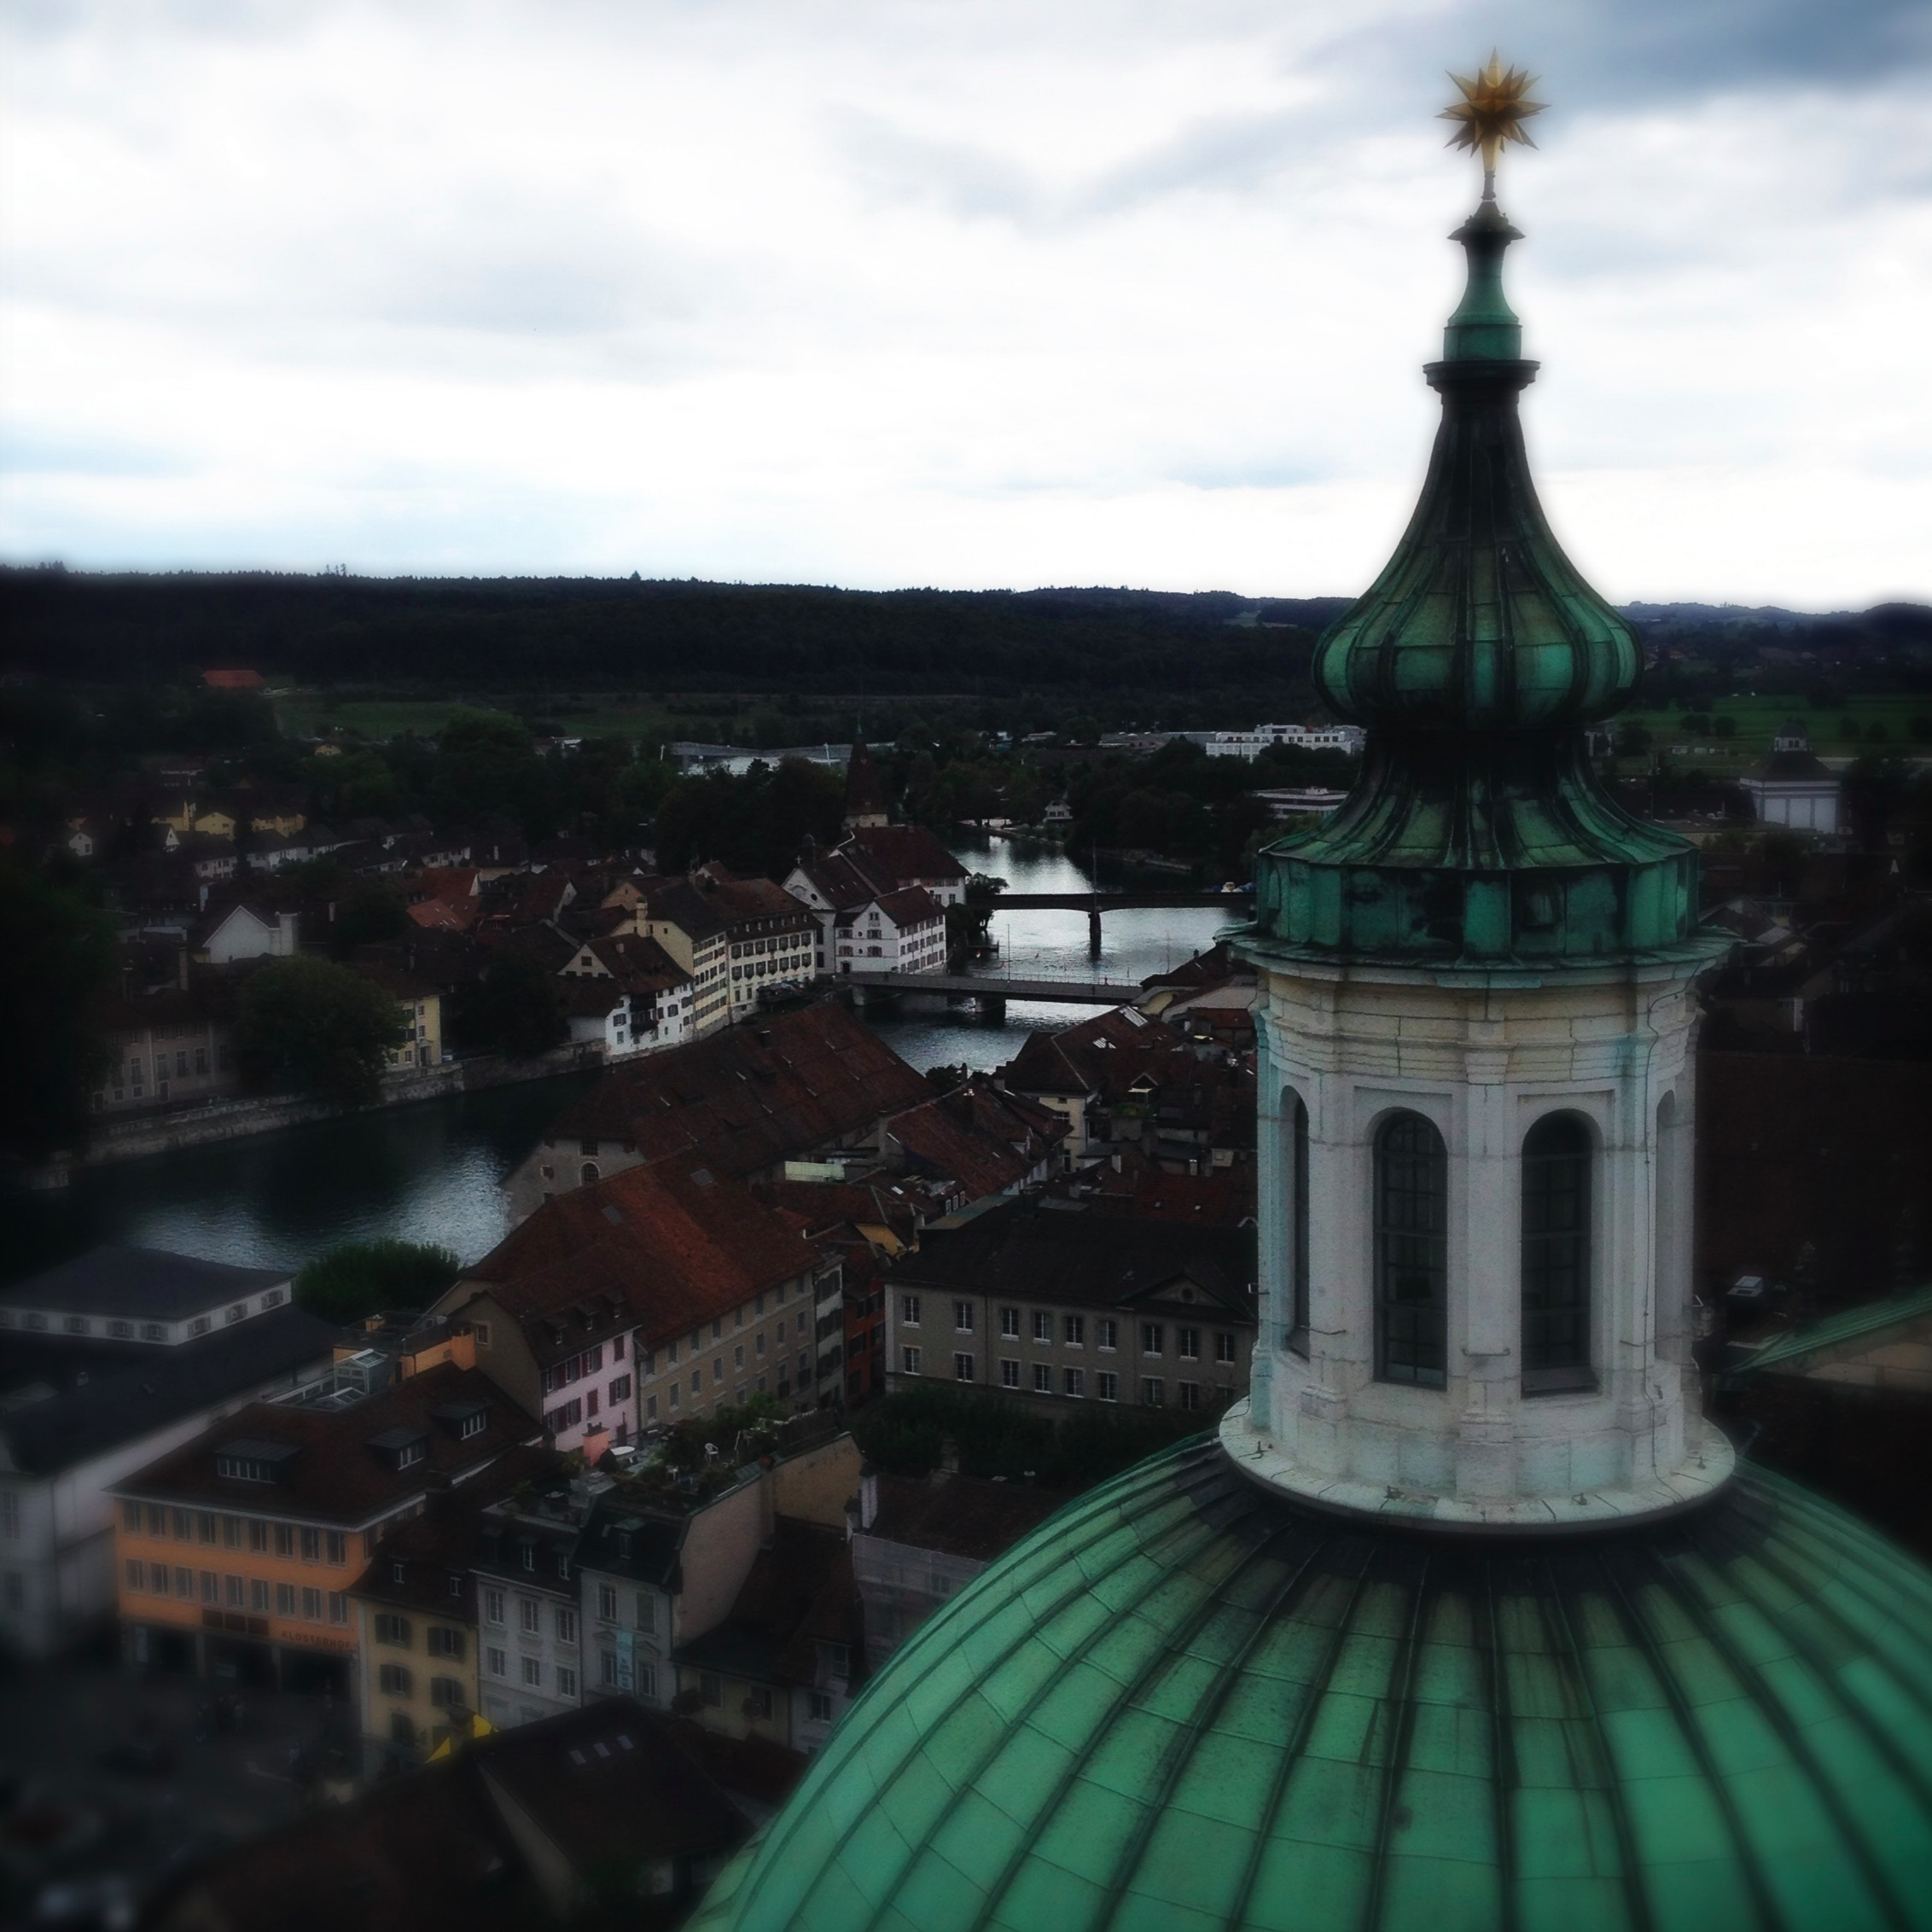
[401,1448]
[527,1553]
[248,1460]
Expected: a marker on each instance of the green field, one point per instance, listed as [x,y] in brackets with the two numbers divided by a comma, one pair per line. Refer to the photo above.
[1758,719]
[647,721]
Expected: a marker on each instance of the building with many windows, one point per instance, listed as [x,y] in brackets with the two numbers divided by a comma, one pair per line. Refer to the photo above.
[80,1412]
[529,1627]
[238,1549]
[1058,1307]
[415,1612]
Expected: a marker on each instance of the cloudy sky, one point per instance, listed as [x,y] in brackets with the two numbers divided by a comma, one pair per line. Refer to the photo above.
[956,292]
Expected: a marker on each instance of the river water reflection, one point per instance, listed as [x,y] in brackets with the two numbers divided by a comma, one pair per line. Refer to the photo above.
[432,1172]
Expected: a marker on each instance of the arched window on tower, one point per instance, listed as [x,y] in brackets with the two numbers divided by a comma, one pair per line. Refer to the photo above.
[1297,1337]
[1556,1255]
[1411,1253]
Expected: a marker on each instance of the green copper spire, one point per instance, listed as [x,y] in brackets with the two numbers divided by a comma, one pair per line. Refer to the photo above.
[1478,835]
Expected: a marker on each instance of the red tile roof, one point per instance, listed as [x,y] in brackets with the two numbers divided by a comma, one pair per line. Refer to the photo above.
[674,1246]
[743,1100]
[336,1475]
[892,856]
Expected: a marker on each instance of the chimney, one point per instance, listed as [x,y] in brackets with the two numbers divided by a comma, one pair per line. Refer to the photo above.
[868,1497]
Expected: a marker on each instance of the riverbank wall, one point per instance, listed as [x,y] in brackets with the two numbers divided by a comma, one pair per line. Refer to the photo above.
[238,1120]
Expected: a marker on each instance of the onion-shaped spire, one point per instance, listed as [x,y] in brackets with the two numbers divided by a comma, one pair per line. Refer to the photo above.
[1478,832]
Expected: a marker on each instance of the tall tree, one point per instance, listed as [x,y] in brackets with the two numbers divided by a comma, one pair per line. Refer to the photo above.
[319,1027]
[56,964]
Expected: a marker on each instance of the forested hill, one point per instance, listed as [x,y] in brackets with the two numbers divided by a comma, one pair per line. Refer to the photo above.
[457,632]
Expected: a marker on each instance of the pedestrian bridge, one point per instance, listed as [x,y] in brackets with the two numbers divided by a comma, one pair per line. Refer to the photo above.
[998,988]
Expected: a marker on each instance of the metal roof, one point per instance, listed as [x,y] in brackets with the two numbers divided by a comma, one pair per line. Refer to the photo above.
[141,1284]
[1851,1325]
[1186,1703]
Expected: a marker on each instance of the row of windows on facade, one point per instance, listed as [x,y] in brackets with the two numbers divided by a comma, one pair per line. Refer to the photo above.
[1072,1383]
[647,1358]
[133,1067]
[235,1532]
[579,1408]
[246,1593]
[1072,1329]
[563,1677]
[123,1330]
[1410,1190]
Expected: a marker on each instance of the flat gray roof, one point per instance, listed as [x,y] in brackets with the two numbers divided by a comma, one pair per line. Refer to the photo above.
[146,1283]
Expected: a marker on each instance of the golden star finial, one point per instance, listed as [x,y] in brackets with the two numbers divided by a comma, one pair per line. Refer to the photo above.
[1492,112]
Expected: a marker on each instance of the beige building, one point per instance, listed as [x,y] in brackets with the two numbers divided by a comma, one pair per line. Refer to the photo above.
[1061,1308]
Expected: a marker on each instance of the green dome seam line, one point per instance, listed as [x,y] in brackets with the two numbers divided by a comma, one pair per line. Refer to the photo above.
[1291,1752]
[1505,1777]
[1855,1709]
[1636,1893]
[1770,1700]
[1102,1515]
[1692,1733]
[1874,1635]
[1207,1532]
[1160,1658]
[1401,1737]
[1232,1672]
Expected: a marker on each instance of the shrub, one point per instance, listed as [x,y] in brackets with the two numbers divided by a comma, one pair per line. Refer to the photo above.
[363,1277]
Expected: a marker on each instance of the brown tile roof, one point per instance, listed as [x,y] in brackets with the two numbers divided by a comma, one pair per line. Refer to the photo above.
[334,1474]
[912,905]
[738,901]
[963,1516]
[823,1206]
[799,1592]
[425,1853]
[441,1544]
[612,1784]
[944,1138]
[838,880]
[671,1245]
[443,914]
[895,855]
[747,1099]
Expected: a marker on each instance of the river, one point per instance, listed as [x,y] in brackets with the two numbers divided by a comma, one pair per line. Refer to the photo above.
[432,1171]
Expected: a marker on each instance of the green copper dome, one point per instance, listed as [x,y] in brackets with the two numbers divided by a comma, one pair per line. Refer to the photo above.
[1187,1704]
[1477,835]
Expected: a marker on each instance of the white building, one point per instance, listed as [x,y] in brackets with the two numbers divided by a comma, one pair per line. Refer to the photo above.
[1348,738]
[108,1363]
[1792,787]
[902,932]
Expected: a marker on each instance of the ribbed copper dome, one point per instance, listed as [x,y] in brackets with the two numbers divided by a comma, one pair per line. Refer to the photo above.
[1186,1704]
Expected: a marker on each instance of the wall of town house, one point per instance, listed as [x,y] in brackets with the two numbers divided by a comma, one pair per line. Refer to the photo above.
[222,1546]
[428,1719]
[735,1356]
[929,1323]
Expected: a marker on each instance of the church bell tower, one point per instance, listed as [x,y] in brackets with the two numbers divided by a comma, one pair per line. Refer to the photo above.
[1475,1061]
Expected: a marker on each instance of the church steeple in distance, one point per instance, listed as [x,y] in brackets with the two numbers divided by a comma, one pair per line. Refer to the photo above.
[864,796]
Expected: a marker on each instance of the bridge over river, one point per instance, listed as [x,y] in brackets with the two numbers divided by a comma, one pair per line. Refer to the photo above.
[1154,900]
[991,991]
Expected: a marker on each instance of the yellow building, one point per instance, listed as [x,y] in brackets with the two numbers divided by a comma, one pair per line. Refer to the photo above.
[238,1550]
[415,1617]
[421,1008]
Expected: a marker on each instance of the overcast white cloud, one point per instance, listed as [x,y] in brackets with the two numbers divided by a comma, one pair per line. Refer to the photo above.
[961,292]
